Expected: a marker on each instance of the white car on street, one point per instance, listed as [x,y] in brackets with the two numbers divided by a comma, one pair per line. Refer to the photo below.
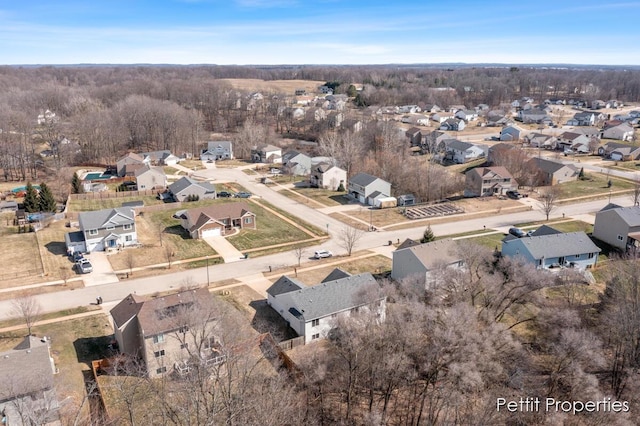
[322,254]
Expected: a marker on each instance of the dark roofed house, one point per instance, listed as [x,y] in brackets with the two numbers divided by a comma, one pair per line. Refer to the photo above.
[151,330]
[311,311]
[551,172]
[296,163]
[27,384]
[485,181]
[103,230]
[218,219]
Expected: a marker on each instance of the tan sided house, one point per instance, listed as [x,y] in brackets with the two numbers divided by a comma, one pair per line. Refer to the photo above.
[218,219]
[485,181]
[168,333]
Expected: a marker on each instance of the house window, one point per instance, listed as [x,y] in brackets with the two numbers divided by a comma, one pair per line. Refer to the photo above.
[591,255]
[158,338]
[577,256]
[126,226]
[184,346]
[315,336]
[93,232]
[159,354]
[315,323]
[128,238]
[110,227]
[620,238]
[161,370]
[248,220]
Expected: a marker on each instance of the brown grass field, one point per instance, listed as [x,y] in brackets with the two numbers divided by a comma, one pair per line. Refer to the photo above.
[286,86]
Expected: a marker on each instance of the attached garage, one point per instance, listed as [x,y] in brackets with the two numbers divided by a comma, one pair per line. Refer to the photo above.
[616,156]
[212,232]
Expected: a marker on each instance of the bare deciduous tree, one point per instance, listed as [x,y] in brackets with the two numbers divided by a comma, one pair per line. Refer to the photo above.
[549,201]
[130,261]
[28,308]
[349,237]
[299,252]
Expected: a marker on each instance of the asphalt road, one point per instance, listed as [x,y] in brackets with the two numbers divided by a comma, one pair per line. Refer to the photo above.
[51,302]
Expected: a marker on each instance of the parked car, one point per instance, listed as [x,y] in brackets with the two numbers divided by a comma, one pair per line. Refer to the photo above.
[84,266]
[514,195]
[319,254]
[224,194]
[76,256]
[242,194]
[517,232]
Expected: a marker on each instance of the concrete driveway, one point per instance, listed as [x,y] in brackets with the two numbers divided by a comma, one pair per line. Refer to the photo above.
[102,271]
[224,248]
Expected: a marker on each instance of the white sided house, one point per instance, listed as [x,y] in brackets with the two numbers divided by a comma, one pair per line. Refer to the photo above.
[366,188]
[103,230]
[312,311]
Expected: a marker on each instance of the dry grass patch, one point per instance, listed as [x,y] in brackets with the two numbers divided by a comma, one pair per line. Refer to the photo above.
[20,259]
[57,265]
[373,264]
[278,86]
[109,203]
[325,197]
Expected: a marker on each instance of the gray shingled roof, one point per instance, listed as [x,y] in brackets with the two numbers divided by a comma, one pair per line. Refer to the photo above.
[436,252]
[558,245]
[185,182]
[550,166]
[336,274]
[545,230]
[630,215]
[333,296]
[459,145]
[99,219]
[284,284]
[362,179]
[25,369]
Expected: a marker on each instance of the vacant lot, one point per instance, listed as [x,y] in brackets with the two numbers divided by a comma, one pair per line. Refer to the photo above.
[594,184]
[275,86]
[271,230]
[324,197]
[109,203]
[20,259]
[352,265]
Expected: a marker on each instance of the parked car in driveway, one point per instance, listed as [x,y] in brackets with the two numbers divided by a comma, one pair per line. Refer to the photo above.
[517,232]
[242,194]
[76,256]
[84,266]
[514,195]
[224,194]
[319,254]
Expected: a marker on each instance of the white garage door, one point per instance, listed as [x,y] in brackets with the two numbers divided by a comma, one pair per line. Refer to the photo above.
[211,233]
[616,156]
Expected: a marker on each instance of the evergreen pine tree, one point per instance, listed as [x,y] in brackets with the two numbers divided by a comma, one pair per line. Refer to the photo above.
[581,174]
[31,199]
[76,184]
[428,235]
[46,201]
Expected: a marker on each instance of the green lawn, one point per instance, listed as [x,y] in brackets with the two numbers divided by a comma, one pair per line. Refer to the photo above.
[270,230]
[317,230]
[595,184]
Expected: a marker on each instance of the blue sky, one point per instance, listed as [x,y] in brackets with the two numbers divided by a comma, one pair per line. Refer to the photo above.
[318,31]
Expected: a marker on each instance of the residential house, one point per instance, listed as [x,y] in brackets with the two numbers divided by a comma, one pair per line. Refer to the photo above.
[619,227]
[590,131]
[432,140]
[453,124]
[575,141]
[467,115]
[27,393]
[409,109]
[130,159]
[619,151]
[160,158]
[327,176]
[312,311]
[8,206]
[455,108]
[485,181]
[167,333]
[420,263]
[441,117]
[150,178]
[352,124]
[540,140]
[366,188]
[296,163]
[415,136]
[534,116]
[217,150]
[550,172]
[622,132]
[335,119]
[316,114]
[187,188]
[217,220]
[462,152]
[583,118]
[47,117]
[511,134]
[574,249]
[103,230]
[431,108]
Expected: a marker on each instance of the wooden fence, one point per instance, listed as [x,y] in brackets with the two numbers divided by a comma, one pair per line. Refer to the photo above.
[287,345]
[108,194]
